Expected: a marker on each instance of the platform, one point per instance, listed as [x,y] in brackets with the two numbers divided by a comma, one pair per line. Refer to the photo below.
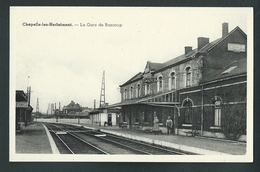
[34,140]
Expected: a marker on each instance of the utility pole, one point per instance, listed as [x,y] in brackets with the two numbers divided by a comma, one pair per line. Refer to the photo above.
[102,94]
[59,109]
[37,109]
[94,104]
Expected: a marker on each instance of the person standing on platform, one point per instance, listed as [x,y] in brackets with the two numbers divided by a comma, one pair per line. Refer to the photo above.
[156,124]
[169,125]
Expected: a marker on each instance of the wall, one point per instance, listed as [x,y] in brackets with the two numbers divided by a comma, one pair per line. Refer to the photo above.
[233,104]
[219,57]
[76,121]
[134,85]
[180,74]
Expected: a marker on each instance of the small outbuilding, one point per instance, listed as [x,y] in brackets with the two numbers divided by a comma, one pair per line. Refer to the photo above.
[104,116]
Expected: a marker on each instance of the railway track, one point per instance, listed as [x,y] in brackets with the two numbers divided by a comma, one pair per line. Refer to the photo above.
[69,143]
[136,147]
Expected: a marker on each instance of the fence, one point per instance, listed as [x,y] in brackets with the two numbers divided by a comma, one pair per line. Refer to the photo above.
[76,121]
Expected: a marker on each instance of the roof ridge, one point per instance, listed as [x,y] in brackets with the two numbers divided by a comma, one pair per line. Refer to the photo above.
[132,78]
[223,38]
[212,42]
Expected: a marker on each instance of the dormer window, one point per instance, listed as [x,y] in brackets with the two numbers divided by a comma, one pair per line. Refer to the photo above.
[229,70]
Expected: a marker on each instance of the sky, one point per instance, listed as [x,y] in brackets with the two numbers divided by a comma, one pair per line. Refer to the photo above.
[64,63]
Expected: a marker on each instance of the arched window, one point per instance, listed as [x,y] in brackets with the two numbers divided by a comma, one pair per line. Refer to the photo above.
[147,88]
[217,114]
[138,90]
[172,82]
[131,93]
[160,84]
[188,76]
[188,112]
[125,94]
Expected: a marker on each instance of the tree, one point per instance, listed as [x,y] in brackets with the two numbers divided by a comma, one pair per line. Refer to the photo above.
[234,112]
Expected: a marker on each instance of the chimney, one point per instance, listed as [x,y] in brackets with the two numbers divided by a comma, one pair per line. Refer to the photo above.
[224,29]
[187,49]
[202,42]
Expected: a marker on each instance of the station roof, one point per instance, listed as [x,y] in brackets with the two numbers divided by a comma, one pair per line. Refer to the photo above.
[20,96]
[134,78]
[156,67]
[233,69]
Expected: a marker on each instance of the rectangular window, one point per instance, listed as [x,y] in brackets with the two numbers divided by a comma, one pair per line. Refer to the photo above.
[173,83]
[188,114]
[217,120]
[160,84]
[188,79]
[217,117]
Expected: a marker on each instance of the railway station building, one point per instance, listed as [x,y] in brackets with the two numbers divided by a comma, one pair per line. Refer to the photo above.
[201,90]
[23,110]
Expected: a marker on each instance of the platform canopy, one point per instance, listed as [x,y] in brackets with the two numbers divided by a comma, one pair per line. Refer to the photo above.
[137,102]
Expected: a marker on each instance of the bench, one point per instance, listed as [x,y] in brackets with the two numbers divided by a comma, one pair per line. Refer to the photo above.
[150,130]
[191,132]
[122,124]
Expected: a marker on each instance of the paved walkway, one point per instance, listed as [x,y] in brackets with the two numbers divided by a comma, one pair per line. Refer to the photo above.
[34,140]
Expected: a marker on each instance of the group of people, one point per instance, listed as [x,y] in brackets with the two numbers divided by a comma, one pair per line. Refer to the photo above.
[169,124]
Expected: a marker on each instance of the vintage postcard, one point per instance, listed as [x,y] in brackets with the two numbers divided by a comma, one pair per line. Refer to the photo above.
[131,84]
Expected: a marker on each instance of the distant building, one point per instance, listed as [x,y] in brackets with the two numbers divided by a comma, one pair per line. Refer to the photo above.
[52,109]
[71,108]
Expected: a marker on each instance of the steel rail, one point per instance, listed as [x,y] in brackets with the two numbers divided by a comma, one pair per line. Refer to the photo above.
[137,142]
[116,143]
[152,146]
[129,140]
[84,141]
[61,139]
